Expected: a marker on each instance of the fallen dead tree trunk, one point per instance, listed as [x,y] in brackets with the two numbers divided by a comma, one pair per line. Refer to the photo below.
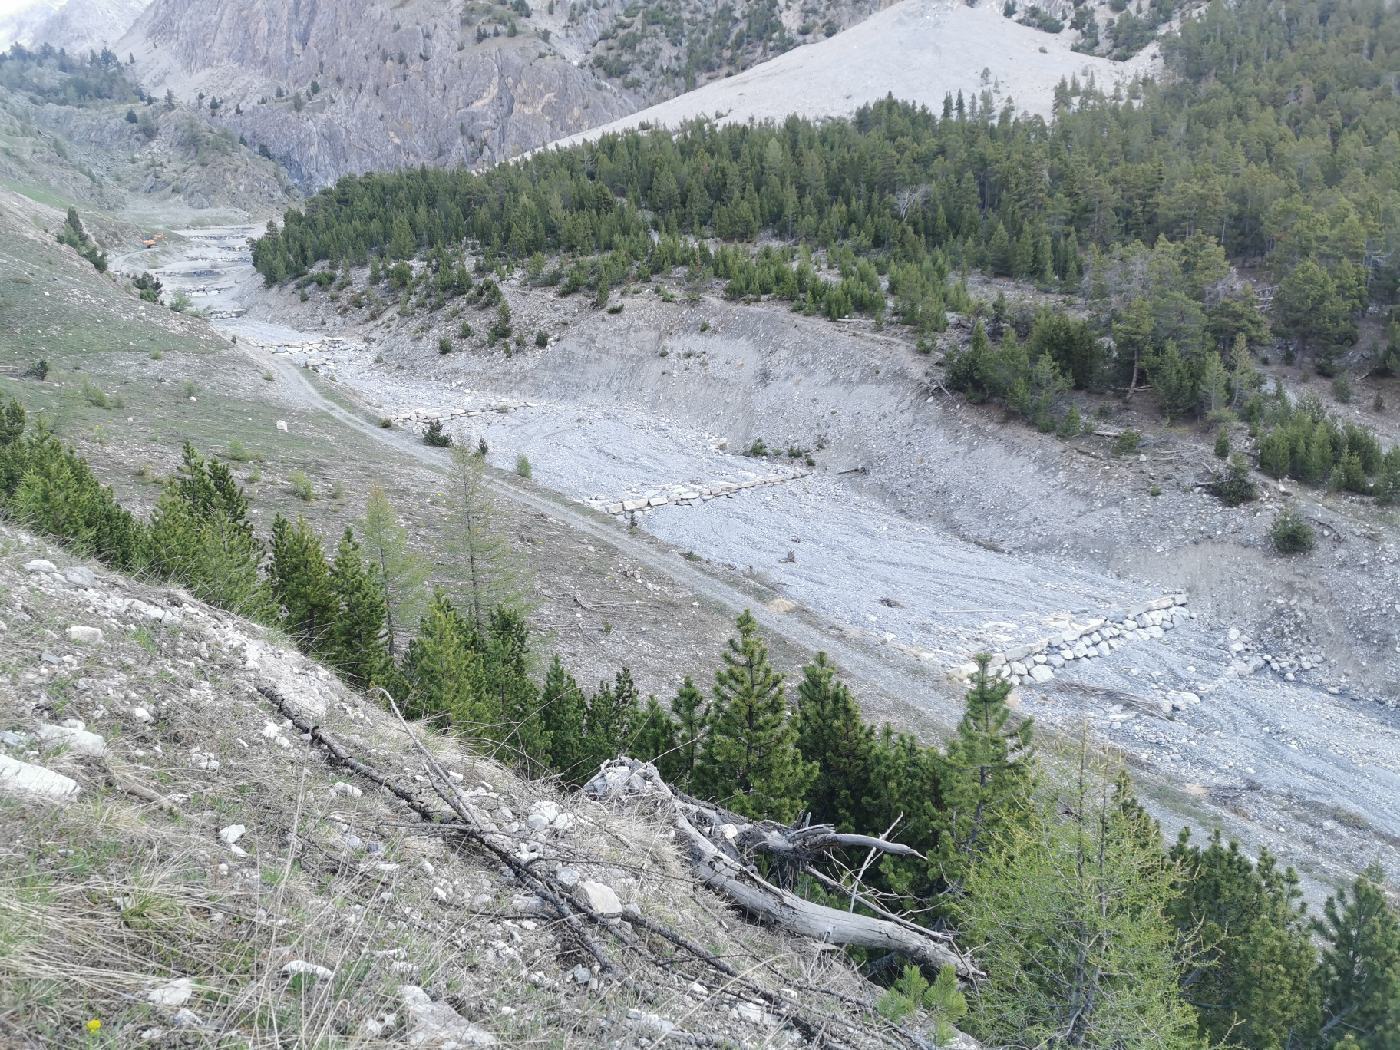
[713,839]
[463,827]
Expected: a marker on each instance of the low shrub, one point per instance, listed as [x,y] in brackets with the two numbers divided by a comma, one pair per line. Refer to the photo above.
[1126,443]
[435,436]
[301,486]
[1233,486]
[1290,534]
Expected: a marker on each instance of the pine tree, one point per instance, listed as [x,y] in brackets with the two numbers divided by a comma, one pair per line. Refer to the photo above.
[832,736]
[442,671]
[51,489]
[201,537]
[651,736]
[750,761]
[688,707]
[1360,968]
[610,711]
[301,585]
[988,776]
[1252,961]
[12,421]
[1000,258]
[563,713]
[358,645]
[518,724]
[904,798]
[402,243]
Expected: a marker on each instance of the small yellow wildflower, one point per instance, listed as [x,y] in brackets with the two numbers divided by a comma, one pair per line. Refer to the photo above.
[94,1026]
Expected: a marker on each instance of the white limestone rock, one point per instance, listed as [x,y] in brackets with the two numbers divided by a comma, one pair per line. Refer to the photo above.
[78,741]
[437,1024]
[25,778]
[172,994]
[599,898]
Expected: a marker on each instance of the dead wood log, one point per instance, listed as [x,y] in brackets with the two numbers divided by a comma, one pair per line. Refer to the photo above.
[711,839]
[461,823]
[568,911]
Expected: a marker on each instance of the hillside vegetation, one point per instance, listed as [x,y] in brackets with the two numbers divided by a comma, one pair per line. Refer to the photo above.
[189,870]
[1141,205]
[81,130]
[659,49]
[1027,873]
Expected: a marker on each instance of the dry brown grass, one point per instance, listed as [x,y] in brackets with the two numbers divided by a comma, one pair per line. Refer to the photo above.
[128,886]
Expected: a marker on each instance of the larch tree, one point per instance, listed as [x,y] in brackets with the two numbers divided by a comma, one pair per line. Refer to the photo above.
[492,575]
[401,573]
[301,584]
[1067,915]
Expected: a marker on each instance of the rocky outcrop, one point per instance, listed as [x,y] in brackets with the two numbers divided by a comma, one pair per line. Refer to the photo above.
[346,86]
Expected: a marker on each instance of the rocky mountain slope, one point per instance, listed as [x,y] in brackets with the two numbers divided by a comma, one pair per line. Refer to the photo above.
[94,157]
[918,51]
[190,862]
[205,870]
[341,87]
[115,152]
[76,25]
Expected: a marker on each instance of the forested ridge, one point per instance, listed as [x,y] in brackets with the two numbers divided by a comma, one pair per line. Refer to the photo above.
[1279,136]
[47,74]
[1091,932]
[1273,144]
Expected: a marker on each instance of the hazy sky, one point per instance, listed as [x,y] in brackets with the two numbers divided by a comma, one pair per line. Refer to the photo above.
[9,7]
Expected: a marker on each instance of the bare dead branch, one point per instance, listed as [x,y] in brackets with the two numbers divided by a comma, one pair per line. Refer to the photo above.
[716,864]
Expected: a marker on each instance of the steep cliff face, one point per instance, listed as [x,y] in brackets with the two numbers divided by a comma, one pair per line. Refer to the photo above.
[332,87]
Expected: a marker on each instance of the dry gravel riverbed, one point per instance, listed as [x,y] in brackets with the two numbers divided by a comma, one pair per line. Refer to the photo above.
[922,534]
